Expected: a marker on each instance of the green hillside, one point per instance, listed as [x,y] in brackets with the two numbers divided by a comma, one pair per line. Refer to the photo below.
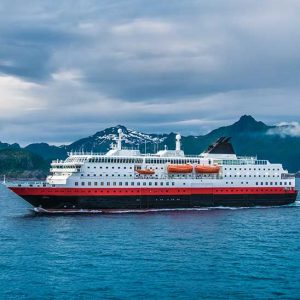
[20,163]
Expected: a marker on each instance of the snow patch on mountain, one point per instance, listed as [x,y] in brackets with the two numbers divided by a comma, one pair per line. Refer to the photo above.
[130,137]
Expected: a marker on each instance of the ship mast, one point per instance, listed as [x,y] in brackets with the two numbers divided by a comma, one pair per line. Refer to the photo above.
[178,144]
[120,132]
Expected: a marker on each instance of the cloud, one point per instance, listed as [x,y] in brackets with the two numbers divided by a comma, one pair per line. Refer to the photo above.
[285,129]
[16,97]
[71,68]
[142,26]
[67,75]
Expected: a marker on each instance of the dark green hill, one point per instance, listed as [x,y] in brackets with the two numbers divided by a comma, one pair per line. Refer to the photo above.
[48,152]
[20,163]
[9,146]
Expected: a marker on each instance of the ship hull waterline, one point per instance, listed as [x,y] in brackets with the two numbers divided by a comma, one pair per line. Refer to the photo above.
[72,203]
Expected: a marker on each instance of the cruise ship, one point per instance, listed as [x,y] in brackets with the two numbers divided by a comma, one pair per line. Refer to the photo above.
[124,179]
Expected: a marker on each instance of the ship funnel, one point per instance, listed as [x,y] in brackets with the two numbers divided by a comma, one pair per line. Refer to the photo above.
[178,138]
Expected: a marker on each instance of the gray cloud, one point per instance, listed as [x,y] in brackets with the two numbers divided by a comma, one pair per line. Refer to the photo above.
[69,68]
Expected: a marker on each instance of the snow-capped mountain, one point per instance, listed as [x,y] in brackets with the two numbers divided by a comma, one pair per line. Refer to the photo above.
[102,140]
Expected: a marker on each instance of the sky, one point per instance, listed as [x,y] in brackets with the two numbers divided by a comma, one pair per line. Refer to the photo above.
[71,68]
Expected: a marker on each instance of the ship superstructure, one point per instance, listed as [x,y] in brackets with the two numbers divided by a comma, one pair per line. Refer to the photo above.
[127,179]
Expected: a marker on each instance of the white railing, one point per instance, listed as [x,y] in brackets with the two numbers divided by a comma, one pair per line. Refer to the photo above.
[63,170]
[24,183]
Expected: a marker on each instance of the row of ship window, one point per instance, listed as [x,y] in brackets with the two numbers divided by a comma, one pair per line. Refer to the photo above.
[265,183]
[275,183]
[155,176]
[254,169]
[250,176]
[165,183]
[116,160]
[241,162]
[113,175]
[126,183]
[140,160]
[100,167]
[129,168]
[172,161]
[229,169]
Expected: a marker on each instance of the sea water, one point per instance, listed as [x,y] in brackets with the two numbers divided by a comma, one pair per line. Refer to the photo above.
[249,253]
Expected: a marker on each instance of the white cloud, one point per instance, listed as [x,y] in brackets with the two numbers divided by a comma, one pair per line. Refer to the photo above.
[286,129]
[16,99]
[67,75]
[143,26]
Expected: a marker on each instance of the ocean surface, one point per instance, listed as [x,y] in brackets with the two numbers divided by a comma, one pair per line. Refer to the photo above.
[249,253]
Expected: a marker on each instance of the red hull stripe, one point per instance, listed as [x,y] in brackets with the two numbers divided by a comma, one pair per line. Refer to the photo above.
[45,191]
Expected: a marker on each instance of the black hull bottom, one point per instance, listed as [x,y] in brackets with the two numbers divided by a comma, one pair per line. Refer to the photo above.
[154,202]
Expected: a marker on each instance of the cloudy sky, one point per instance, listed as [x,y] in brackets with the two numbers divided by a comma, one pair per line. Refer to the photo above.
[71,68]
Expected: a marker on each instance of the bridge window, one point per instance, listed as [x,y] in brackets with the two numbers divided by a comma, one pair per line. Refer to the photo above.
[76,183]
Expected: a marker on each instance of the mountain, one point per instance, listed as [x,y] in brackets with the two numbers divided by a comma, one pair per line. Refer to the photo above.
[249,137]
[279,144]
[20,163]
[102,140]
[9,146]
[47,152]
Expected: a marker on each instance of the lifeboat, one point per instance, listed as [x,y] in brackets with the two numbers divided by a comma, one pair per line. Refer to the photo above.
[145,171]
[180,168]
[207,169]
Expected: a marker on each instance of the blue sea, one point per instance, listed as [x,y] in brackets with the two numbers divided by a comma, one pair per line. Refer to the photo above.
[249,253]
